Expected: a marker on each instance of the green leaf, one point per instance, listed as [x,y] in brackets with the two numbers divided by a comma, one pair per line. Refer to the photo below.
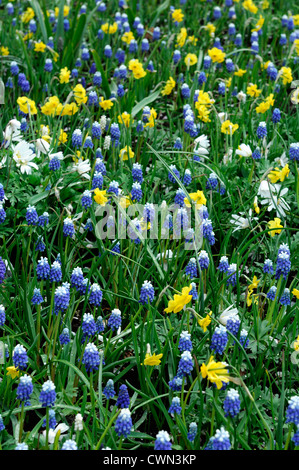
[105,84]
[145,102]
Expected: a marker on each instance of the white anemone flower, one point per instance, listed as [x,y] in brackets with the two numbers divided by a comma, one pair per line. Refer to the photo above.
[222,117]
[42,146]
[23,156]
[58,155]
[63,428]
[244,150]
[12,132]
[202,145]
[83,168]
[241,96]
[282,161]
[240,222]
[228,313]
[275,201]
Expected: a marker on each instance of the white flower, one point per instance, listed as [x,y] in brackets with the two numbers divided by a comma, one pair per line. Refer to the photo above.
[244,150]
[222,117]
[228,156]
[2,163]
[12,132]
[241,97]
[202,145]
[103,122]
[107,142]
[42,146]
[282,161]
[23,156]
[83,168]
[228,313]
[63,428]
[78,422]
[242,222]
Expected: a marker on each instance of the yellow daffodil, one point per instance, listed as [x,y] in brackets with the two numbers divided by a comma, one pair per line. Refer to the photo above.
[255,205]
[217,55]
[4,51]
[12,372]
[27,15]
[125,118]
[259,24]
[216,372]
[100,197]
[49,108]
[64,75]
[40,47]
[286,74]
[154,360]
[211,28]
[109,28]
[123,154]
[203,113]
[204,322]
[127,37]
[253,91]
[179,300]
[295,292]
[228,127]
[26,105]
[177,15]
[250,6]
[198,197]
[170,84]
[275,224]
[181,37]
[151,118]
[240,72]
[190,59]
[80,94]
[279,175]
[105,104]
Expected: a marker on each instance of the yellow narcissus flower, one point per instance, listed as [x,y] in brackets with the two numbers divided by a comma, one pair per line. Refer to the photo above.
[286,74]
[259,24]
[27,15]
[204,322]
[211,28]
[49,108]
[68,109]
[255,283]
[4,51]
[203,113]
[136,67]
[28,36]
[127,37]
[62,139]
[12,372]
[217,55]
[179,300]
[181,37]
[100,197]
[40,46]
[26,105]
[255,205]
[240,72]
[66,11]
[124,202]
[80,94]
[296,43]
[64,75]
[295,292]
[275,226]
[170,84]
[123,154]
[193,40]
[105,104]
[177,15]
[228,127]
[265,105]
[216,372]
[152,360]
[125,118]
[296,343]
[253,91]
[203,99]
[151,118]
[278,174]
[190,59]
[109,28]
[198,197]
[250,6]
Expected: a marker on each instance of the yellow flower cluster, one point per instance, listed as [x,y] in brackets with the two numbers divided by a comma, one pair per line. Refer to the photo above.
[40,46]
[170,84]
[275,226]
[181,37]
[228,127]
[286,74]
[253,91]
[250,6]
[211,28]
[217,55]
[53,107]
[136,67]
[125,118]
[123,154]
[279,175]
[64,76]
[190,59]
[109,28]
[127,37]
[80,94]
[265,105]
[216,372]
[251,288]
[151,118]
[203,105]
[177,15]
[27,105]
[105,104]
[179,301]
[27,15]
